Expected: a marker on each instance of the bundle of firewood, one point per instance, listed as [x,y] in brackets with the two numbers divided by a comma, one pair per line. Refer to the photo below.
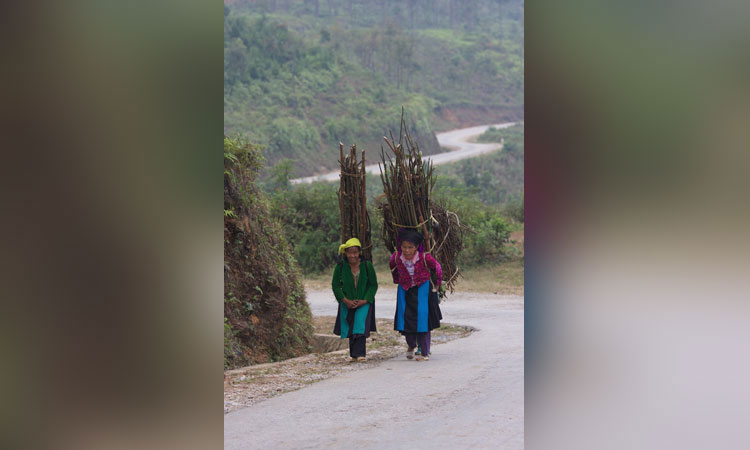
[447,235]
[355,222]
[406,203]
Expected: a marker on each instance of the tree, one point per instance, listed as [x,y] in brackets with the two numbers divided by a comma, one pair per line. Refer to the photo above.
[332,8]
[325,35]
[316,6]
[281,173]
[470,13]
[404,54]
[411,13]
[500,10]
[235,61]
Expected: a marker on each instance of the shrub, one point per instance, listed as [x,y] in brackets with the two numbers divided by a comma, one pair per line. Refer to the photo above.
[290,136]
[514,209]
[492,232]
[309,215]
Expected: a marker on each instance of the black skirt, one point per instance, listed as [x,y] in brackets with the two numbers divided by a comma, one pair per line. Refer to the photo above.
[370,324]
[408,310]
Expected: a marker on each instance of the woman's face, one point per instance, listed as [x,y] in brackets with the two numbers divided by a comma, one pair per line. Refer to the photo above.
[408,249]
[352,255]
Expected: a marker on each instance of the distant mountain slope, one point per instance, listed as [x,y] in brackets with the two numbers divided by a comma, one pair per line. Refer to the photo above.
[302,75]
[300,100]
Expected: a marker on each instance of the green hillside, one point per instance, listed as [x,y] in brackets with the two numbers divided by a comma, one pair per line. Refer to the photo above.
[300,100]
[496,178]
[300,76]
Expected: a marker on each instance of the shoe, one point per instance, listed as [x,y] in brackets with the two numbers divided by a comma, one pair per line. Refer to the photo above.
[426,358]
[361,359]
[420,358]
[410,354]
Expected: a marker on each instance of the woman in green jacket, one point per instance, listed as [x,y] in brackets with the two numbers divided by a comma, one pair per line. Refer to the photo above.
[354,284]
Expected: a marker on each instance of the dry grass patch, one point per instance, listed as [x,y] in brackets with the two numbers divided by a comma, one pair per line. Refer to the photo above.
[506,278]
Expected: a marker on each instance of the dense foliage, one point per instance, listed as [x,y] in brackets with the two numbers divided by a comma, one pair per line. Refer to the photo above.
[491,228]
[310,216]
[486,192]
[458,52]
[300,75]
[266,317]
[300,99]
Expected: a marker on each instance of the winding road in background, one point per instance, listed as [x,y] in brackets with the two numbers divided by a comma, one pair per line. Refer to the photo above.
[468,395]
[456,140]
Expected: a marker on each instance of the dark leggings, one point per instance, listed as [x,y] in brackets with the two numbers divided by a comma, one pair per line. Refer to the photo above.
[357,345]
[422,338]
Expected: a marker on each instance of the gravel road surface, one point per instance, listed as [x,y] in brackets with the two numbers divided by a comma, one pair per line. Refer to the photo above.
[468,395]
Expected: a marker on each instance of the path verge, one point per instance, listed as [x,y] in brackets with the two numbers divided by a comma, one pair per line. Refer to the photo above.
[253,384]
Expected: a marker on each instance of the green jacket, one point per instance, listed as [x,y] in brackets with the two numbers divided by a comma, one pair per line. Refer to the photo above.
[343,282]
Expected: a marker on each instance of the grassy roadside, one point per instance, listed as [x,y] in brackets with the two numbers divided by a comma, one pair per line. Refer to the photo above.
[505,278]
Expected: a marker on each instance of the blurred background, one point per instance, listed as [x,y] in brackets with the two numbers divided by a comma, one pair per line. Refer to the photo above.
[636,278]
[112,119]
[636,235]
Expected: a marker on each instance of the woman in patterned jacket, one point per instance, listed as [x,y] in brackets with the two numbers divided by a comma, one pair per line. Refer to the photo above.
[417,310]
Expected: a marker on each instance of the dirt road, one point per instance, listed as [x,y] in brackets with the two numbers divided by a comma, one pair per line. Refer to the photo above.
[458,140]
[469,395]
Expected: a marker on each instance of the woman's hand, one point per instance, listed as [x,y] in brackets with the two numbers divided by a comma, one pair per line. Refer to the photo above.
[353,304]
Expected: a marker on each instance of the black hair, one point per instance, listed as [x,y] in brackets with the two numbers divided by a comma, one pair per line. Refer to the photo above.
[412,236]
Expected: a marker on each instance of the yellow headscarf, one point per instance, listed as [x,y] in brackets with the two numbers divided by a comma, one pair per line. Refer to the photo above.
[353,242]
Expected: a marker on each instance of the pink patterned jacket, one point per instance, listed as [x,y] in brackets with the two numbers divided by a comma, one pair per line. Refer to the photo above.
[421,270]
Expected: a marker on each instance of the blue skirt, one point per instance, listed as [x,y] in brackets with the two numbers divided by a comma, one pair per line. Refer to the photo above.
[355,321]
[417,309]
